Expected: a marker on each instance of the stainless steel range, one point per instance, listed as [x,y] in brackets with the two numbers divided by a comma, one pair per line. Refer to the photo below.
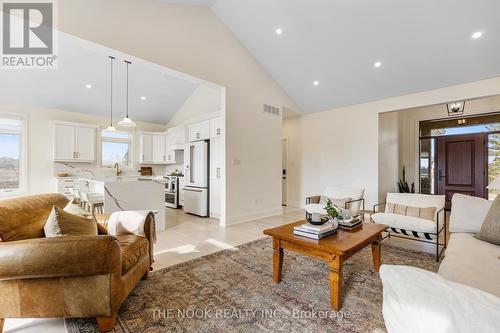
[171,192]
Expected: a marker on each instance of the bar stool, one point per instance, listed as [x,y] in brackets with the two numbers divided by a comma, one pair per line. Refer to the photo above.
[93,202]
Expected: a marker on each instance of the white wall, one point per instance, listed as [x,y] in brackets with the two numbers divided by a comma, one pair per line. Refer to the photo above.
[193,40]
[40,143]
[340,147]
[204,100]
[388,153]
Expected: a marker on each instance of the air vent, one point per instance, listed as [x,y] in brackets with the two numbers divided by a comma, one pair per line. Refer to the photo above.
[271,109]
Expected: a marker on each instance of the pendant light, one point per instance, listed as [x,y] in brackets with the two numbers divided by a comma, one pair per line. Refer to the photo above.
[127,122]
[111,127]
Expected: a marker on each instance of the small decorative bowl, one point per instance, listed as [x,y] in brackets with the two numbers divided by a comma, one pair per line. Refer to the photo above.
[324,219]
[63,174]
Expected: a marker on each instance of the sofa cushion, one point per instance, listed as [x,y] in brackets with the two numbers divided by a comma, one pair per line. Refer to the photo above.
[472,262]
[62,223]
[406,224]
[468,213]
[25,217]
[132,249]
[416,300]
[490,230]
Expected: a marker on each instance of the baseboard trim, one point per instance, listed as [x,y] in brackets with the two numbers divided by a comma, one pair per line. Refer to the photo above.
[231,220]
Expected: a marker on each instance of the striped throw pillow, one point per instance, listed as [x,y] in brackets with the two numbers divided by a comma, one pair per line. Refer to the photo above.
[426,213]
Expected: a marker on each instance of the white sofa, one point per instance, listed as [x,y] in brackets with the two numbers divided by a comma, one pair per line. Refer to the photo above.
[356,195]
[464,296]
[412,227]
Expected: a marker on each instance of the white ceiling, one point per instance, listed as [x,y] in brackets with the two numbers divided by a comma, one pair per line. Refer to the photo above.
[422,44]
[206,3]
[81,63]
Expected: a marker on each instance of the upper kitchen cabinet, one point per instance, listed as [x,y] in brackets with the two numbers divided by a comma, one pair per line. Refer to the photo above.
[74,142]
[145,148]
[177,136]
[199,131]
[159,145]
[157,148]
[216,128]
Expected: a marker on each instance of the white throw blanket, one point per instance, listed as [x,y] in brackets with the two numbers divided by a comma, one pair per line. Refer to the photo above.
[130,222]
[418,301]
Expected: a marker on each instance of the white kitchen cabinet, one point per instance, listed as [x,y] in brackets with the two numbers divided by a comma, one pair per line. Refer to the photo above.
[216,176]
[182,183]
[146,148]
[64,143]
[199,131]
[216,154]
[170,156]
[66,184]
[73,142]
[215,198]
[85,144]
[177,135]
[216,127]
[159,145]
[157,148]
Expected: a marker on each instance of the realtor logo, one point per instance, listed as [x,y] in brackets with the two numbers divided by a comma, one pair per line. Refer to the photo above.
[28,34]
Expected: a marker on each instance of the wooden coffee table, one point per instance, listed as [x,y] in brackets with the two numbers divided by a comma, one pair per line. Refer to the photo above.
[334,249]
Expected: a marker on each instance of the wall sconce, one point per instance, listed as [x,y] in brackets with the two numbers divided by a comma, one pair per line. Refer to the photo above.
[456,108]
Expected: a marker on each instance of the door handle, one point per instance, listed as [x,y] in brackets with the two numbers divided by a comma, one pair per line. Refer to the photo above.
[440,175]
[192,190]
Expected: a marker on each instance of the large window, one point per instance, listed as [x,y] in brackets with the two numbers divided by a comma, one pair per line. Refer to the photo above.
[12,164]
[115,148]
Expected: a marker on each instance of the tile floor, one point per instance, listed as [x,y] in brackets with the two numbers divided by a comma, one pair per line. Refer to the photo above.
[189,237]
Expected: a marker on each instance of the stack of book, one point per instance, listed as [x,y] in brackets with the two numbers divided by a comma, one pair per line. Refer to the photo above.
[314,231]
[351,223]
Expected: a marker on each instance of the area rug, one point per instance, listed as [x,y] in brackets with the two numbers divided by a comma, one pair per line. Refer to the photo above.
[233,291]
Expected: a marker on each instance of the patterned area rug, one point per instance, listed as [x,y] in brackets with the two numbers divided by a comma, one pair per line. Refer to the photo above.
[233,291]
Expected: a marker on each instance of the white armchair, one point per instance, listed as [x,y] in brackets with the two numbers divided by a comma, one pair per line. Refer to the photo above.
[354,203]
[419,217]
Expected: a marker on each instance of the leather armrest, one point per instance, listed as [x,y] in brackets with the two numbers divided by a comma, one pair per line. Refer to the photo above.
[139,226]
[59,257]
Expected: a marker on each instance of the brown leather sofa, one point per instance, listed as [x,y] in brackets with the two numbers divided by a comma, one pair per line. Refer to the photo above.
[68,276]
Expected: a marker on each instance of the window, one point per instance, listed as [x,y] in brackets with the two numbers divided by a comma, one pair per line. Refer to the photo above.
[493,162]
[12,161]
[115,148]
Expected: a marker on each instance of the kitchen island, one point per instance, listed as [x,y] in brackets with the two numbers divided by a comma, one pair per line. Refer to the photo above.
[129,193]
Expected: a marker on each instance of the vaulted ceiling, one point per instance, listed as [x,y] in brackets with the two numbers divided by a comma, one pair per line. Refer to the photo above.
[326,54]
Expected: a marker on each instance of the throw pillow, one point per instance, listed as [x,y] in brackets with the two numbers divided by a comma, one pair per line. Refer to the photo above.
[61,223]
[337,202]
[490,230]
[426,213]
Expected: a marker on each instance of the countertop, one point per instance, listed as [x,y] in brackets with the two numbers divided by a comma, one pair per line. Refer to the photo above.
[121,179]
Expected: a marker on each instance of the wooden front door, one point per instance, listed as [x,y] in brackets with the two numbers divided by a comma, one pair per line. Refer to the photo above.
[461,166]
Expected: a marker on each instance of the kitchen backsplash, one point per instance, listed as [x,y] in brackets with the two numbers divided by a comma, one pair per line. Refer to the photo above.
[91,170]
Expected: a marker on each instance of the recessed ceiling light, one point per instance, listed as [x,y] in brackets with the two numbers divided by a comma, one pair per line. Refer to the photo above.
[143,98]
[316,83]
[377,64]
[477,34]
[278,31]
[88,86]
